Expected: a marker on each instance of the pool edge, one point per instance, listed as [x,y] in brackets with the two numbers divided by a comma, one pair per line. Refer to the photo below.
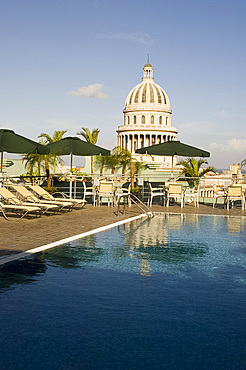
[30,252]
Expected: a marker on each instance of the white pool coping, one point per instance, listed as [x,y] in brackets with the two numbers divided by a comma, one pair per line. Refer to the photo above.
[30,252]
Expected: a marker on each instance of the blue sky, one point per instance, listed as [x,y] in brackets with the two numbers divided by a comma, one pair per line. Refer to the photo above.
[70,63]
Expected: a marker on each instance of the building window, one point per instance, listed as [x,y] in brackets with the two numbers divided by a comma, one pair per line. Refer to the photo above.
[152,120]
[143,120]
[134,120]
[128,120]
[166,121]
[160,120]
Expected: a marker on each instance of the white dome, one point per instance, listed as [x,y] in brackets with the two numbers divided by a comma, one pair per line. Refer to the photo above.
[147,118]
[147,95]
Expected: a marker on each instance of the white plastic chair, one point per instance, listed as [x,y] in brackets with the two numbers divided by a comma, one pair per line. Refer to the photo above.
[235,193]
[219,194]
[175,191]
[89,191]
[154,192]
[106,190]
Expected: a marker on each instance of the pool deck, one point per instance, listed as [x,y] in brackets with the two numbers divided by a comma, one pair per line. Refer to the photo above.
[22,235]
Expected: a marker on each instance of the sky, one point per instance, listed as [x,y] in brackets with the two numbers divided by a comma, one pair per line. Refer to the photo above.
[67,64]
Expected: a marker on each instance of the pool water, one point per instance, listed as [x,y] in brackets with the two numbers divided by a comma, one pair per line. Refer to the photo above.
[161,293]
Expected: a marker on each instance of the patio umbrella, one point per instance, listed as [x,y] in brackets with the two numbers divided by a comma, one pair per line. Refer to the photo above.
[11,142]
[75,146]
[172,148]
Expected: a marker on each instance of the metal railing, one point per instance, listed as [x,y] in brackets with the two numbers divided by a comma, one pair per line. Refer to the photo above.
[135,200]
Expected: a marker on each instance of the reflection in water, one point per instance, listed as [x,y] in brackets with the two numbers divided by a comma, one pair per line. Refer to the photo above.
[153,240]
[71,255]
[144,246]
[21,272]
[68,256]
[235,224]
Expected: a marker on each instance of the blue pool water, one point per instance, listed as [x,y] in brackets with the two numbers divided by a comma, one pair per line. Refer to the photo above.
[164,293]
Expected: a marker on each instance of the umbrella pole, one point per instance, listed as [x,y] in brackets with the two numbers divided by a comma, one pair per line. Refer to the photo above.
[71,180]
[1,162]
[172,168]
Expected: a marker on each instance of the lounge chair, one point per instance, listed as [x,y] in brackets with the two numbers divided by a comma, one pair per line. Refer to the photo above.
[12,199]
[26,196]
[19,210]
[44,195]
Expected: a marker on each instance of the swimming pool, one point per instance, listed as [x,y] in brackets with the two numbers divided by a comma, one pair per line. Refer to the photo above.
[160,293]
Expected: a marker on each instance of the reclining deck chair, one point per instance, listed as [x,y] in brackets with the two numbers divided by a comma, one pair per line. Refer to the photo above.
[26,196]
[19,210]
[12,199]
[9,202]
[44,195]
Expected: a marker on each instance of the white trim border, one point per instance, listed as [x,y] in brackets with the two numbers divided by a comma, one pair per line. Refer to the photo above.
[30,252]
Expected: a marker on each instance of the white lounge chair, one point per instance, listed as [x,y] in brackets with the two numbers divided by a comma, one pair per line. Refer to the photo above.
[26,196]
[45,196]
[19,210]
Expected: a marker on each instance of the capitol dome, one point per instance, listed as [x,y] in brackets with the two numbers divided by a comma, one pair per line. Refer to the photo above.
[147,117]
[147,94]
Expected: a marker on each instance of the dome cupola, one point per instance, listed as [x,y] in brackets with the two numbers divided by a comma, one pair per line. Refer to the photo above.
[147,94]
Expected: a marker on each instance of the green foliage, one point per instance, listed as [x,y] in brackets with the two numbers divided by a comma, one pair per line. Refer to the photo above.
[139,166]
[50,189]
[90,137]
[123,156]
[51,159]
[193,168]
[243,163]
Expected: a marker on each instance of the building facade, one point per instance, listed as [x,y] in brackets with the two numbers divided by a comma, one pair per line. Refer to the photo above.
[147,119]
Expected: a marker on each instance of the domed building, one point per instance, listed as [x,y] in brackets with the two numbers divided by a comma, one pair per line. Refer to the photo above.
[147,119]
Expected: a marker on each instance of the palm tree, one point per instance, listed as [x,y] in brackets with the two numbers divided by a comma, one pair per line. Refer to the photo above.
[51,158]
[32,160]
[112,161]
[124,158]
[101,160]
[243,163]
[90,137]
[139,166]
[192,168]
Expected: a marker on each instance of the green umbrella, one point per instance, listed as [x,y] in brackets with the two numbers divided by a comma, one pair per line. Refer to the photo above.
[11,142]
[75,146]
[172,148]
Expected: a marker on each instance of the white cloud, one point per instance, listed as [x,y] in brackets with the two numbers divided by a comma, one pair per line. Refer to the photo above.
[91,91]
[231,145]
[143,38]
